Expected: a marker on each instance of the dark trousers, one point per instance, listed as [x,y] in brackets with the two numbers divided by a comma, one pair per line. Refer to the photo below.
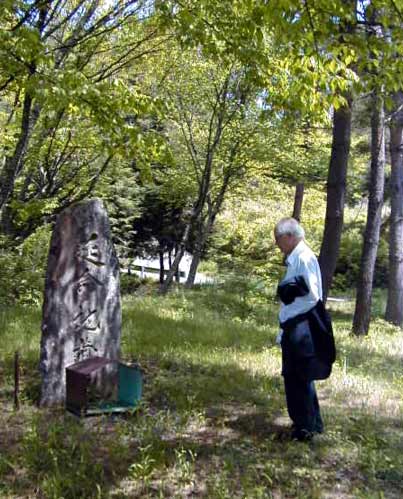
[302,403]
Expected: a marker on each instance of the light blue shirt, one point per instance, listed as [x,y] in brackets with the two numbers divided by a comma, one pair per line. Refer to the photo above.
[302,261]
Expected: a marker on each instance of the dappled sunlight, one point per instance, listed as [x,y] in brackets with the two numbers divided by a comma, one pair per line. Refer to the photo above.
[213,420]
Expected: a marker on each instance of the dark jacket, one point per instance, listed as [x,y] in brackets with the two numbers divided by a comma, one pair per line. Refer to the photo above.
[308,343]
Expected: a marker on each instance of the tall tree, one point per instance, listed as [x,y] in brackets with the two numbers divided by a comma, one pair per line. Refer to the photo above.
[217,125]
[298,199]
[214,203]
[60,63]
[362,313]
[337,173]
[336,190]
[394,304]
[383,24]
[209,122]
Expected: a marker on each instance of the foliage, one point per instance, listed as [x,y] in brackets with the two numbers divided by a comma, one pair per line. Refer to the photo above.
[22,274]
[244,243]
[308,74]
[129,283]
[357,174]
[328,47]
[68,109]
[349,260]
[123,195]
[160,226]
[296,152]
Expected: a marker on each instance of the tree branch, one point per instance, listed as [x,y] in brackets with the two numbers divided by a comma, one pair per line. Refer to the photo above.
[313,30]
[400,15]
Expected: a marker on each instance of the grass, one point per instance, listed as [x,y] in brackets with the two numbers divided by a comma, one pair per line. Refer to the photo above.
[213,421]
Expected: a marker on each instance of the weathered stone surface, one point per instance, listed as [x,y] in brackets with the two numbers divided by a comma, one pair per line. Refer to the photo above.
[81,310]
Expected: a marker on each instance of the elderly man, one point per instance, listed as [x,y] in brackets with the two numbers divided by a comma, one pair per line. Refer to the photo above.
[306,336]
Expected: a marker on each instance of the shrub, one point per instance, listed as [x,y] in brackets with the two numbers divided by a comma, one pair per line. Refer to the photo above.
[22,268]
[129,283]
[349,260]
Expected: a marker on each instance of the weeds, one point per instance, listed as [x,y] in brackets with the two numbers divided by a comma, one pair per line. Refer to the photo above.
[144,468]
[61,457]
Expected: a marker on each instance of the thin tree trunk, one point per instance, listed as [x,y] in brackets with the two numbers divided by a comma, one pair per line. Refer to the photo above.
[177,275]
[298,199]
[162,270]
[206,226]
[193,269]
[13,164]
[196,257]
[336,189]
[196,211]
[362,312]
[30,114]
[216,127]
[178,257]
[394,305]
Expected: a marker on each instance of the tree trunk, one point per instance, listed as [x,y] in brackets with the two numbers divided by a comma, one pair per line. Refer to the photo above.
[217,122]
[206,225]
[162,270]
[178,257]
[298,199]
[336,188]
[196,211]
[30,114]
[193,269]
[362,312]
[196,257]
[13,164]
[394,305]
[177,275]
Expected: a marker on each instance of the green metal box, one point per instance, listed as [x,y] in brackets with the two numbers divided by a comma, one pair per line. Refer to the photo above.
[84,394]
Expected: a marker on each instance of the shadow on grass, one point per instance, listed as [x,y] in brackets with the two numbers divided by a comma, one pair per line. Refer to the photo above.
[54,453]
[363,455]
[182,386]
[237,446]
[145,331]
[240,442]
[260,426]
[242,432]
[234,301]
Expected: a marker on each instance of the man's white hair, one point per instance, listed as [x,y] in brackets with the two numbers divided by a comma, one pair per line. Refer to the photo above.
[290,227]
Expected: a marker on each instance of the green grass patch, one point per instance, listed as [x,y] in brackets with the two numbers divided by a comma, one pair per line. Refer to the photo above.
[213,420]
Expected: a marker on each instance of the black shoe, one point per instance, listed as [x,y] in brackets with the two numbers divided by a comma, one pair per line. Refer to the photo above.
[302,435]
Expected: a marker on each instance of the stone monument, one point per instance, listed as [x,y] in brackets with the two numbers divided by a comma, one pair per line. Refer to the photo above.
[81,309]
